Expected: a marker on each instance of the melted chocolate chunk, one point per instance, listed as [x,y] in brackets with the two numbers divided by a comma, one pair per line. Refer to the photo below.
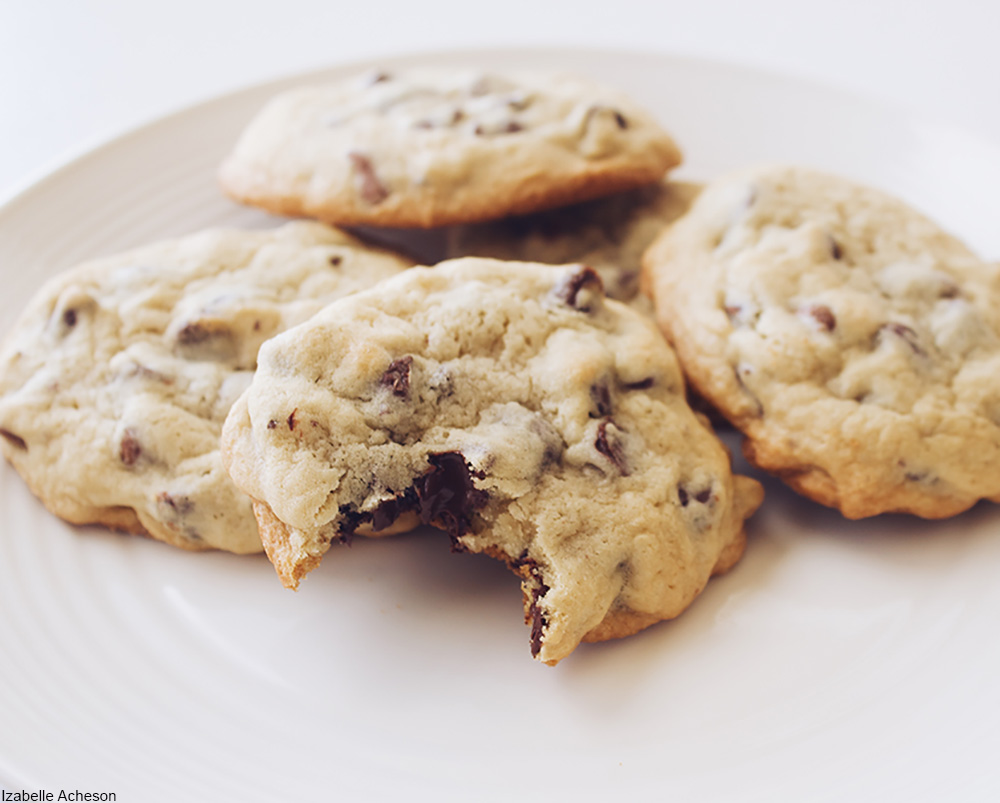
[529,569]
[371,189]
[397,377]
[444,496]
[611,447]
[538,621]
[14,440]
[601,397]
[824,316]
[129,450]
[570,288]
[446,493]
[391,509]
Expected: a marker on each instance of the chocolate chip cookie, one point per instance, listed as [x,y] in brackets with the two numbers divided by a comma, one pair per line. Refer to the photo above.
[515,407]
[115,381]
[853,341]
[425,148]
[608,234]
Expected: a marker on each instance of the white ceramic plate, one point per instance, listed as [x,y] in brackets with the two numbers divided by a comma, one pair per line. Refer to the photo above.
[840,660]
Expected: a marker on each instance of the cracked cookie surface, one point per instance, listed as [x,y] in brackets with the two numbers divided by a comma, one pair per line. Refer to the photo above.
[853,341]
[514,406]
[115,381]
[423,148]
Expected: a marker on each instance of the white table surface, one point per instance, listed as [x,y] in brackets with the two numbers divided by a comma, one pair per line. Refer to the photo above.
[76,72]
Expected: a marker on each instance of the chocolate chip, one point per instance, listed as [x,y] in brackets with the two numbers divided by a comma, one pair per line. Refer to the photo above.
[609,445]
[371,189]
[642,384]
[129,450]
[194,333]
[906,334]
[456,116]
[272,424]
[447,494]
[835,250]
[570,288]
[14,440]
[379,77]
[69,318]
[144,372]
[508,127]
[823,315]
[180,505]
[601,397]
[615,115]
[949,290]
[291,419]
[685,495]
[336,260]
[397,377]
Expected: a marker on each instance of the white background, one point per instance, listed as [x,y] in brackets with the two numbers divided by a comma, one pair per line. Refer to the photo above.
[75,72]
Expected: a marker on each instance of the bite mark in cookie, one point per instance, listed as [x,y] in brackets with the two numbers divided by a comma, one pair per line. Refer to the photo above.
[513,406]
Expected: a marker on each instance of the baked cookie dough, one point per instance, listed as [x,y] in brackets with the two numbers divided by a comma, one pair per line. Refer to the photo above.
[608,234]
[424,148]
[853,341]
[115,381]
[514,406]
